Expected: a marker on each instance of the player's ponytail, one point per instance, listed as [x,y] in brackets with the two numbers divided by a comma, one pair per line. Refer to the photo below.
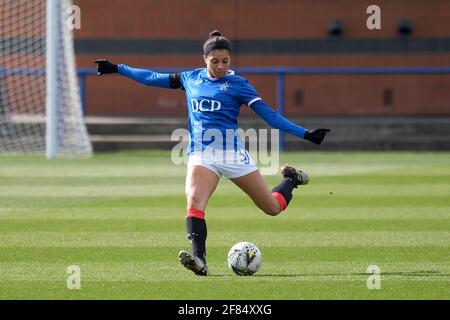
[216,41]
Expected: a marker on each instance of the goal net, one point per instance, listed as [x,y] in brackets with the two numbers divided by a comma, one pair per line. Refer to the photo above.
[40,105]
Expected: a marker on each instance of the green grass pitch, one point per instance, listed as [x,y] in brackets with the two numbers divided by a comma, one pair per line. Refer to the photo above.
[120,218]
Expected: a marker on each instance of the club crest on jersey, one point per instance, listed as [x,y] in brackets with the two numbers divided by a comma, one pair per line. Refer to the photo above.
[205,105]
[224,86]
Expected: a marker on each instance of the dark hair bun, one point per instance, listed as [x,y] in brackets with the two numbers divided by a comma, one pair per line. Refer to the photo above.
[216,42]
[215,33]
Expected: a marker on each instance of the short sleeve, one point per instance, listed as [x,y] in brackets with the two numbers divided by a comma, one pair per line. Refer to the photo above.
[248,94]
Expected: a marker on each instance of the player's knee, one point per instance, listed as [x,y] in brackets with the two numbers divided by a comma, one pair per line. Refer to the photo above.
[194,201]
[272,209]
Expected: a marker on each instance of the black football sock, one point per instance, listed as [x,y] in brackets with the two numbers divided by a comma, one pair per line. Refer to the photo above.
[196,234]
[285,189]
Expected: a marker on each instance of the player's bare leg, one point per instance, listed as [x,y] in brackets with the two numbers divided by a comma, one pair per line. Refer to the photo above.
[200,185]
[256,188]
[275,201]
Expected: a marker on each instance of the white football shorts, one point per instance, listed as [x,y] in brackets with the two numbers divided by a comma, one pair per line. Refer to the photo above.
[231,164]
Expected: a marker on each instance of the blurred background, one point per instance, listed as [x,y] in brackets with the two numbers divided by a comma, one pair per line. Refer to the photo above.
[405,109]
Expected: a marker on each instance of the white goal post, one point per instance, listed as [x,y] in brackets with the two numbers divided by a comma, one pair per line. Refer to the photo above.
[40,105]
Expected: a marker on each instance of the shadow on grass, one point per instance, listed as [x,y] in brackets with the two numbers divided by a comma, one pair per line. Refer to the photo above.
[294,275]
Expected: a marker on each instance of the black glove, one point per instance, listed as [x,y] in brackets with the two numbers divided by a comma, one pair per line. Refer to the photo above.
[105,67]
[316,136]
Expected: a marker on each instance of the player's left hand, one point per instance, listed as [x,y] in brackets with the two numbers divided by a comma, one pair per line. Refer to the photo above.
[316,136]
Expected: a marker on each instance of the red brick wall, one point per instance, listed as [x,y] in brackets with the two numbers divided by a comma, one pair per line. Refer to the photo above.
[283,19]
[255,18]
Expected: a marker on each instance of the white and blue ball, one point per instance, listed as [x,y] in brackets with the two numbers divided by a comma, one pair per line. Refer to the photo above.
[244,258]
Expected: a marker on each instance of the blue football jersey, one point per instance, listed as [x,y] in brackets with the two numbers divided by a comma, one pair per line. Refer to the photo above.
[213,108]
[214,105]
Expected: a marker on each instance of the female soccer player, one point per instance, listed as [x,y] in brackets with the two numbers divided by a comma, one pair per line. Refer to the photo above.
[214,96]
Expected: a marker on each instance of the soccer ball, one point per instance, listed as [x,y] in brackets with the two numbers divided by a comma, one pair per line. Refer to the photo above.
[244,258]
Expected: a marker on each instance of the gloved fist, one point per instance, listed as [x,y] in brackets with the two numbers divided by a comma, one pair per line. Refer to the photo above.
[316,136]
[105,67]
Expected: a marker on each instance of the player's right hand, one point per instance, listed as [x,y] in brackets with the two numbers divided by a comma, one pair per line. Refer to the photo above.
[106,67]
